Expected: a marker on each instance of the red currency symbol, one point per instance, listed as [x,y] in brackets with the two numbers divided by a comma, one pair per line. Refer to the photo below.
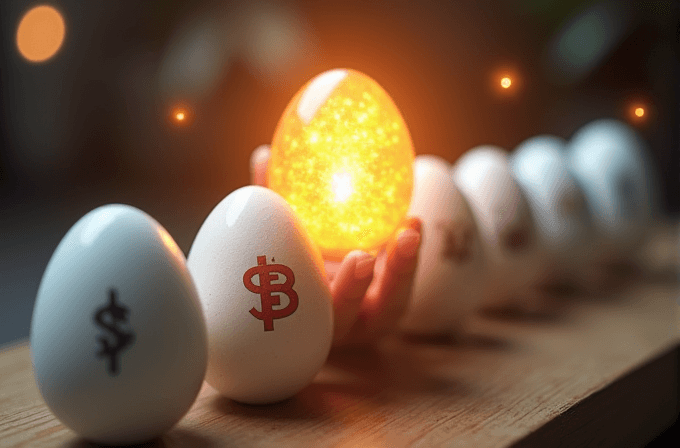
[267,273]
[457,241]
[517,239]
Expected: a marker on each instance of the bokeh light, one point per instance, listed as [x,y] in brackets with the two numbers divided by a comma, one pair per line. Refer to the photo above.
[40,33]
[180,115]
[505,80]
[583,42]
[196,58]
[638,112]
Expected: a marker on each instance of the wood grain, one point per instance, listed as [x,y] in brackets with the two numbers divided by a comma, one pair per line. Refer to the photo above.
[600,371]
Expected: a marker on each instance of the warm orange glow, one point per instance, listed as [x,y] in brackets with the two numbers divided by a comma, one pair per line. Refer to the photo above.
[342,157]
[180,115]
[639,112]
[170,243]
[40,33]
[505,80]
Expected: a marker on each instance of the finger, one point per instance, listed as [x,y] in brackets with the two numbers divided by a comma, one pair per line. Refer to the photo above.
[348,289]
[387,299]
[258,165]
[332,268]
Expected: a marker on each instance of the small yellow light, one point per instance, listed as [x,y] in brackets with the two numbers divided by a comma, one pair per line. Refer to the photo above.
[342,157]
[506,82]
[179,115]
[639,112]
[40,33]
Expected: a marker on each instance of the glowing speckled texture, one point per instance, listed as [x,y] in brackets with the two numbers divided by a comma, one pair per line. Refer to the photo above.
[348,171]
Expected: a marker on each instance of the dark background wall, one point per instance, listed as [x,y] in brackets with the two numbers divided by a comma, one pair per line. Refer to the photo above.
[93,125]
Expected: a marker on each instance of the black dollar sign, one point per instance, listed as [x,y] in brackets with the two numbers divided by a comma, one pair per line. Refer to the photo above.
[117,314]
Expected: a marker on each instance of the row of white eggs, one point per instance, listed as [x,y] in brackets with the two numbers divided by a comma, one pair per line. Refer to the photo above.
[125,330]
[498,228]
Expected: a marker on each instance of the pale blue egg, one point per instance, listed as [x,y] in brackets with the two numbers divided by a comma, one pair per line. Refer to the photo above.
[611,163]
[557,203]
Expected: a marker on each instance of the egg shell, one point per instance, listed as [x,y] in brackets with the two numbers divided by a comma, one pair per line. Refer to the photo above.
[342,157]
[610,161]
[450,266]
[557,204]
[248,362]
[118,268]
[506,227]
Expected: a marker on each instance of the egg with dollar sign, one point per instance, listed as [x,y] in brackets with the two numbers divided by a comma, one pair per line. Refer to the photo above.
[612,164]
[268,309]
[558,206]
[506,228]
[118,338]
[451,264]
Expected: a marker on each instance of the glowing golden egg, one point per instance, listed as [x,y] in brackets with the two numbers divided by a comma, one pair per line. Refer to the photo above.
[342,157]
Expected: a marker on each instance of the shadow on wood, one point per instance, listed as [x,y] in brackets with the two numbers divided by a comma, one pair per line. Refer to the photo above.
[173,438]
[606,418]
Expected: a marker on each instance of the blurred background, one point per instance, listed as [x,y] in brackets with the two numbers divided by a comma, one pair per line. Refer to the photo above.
[158,104]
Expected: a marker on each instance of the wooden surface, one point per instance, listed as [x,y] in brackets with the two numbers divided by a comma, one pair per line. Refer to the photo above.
[601,371]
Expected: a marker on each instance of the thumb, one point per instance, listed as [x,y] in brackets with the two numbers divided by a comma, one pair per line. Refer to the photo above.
[258,165]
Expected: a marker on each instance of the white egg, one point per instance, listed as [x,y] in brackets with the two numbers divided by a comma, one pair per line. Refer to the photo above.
[268,308]
[118,339]
[450,265]
[507,230]
[610,162]
[557,205]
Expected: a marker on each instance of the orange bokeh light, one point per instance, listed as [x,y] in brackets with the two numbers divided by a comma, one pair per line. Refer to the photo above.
[638,112]
[180,115]
[506,80]
[40,33]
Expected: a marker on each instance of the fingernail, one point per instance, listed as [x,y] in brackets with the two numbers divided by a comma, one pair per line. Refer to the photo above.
[363,266]
[412,222]
[408,241]
[260,155]
[411,226]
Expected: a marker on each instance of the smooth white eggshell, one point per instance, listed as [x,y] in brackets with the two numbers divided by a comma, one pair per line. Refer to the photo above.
[245,362]
[160,372]
[448,276]
[610,162]
[557,205]
[500,209]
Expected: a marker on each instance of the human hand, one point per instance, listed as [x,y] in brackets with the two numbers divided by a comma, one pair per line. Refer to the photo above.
[370,294]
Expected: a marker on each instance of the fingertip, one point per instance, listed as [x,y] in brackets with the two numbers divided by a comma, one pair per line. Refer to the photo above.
[258,165]
[349,288]
[340,273]
[413,222]
[403,247]
[260,155]
[408,243]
